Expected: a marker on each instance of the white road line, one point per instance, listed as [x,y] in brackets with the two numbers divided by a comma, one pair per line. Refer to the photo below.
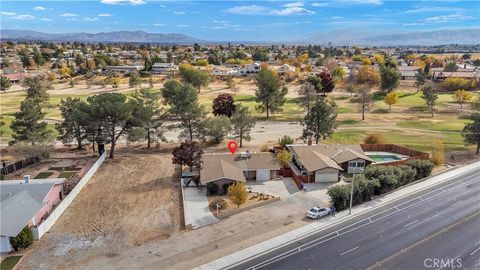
[474,251]
[350,250]
[459,202]
[408,224]
[312,243]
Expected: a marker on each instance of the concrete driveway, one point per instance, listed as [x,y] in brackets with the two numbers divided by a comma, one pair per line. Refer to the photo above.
[283,188]
[196,208]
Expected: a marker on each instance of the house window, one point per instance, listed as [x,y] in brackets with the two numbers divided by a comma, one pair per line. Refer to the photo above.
[351,164]
[360,164]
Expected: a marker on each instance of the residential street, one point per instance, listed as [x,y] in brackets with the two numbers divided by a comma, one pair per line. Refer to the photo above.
[438,223]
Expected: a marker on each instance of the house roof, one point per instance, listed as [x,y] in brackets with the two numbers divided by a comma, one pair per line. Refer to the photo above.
[218,166]
[455,74]
[321,156]
[20,202]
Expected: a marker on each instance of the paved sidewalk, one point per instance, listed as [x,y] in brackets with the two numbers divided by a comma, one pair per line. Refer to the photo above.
[276,242]
[196,208]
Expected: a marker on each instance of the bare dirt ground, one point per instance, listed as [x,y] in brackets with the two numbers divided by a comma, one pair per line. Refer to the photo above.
[130,200]
[129,216]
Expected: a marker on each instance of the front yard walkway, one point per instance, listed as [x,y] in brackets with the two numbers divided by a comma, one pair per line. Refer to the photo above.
[196,208]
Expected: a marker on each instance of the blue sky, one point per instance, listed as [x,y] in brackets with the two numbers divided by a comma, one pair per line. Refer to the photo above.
[240,20]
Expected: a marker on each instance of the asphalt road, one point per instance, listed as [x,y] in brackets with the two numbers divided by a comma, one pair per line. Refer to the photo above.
[439,223]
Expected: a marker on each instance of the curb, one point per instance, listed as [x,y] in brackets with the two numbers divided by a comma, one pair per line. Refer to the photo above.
[336,222]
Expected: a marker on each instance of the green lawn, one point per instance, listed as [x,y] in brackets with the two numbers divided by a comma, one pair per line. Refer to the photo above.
[43,175]
[9,262]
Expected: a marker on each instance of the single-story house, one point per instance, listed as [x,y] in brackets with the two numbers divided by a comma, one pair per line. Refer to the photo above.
[122,69]
[227,168]
[222,71]
[284,69]
[164,68]
[25,203]
[441,76]
[324,162]
[16,77]
[408,74]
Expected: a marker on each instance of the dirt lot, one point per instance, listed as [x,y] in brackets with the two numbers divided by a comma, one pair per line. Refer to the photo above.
[128,217]
[130,200]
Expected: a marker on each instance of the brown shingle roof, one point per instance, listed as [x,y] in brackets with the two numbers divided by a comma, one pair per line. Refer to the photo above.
[316,157]
[218,166]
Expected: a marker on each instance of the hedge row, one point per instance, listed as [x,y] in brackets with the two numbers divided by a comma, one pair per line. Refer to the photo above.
[377,180]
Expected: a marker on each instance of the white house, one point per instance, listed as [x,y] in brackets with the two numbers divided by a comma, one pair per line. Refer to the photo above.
[253,68]
[164,68]
[222,71]
[285,68]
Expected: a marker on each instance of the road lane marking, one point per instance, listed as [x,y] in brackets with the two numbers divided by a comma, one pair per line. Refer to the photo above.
[459,202]
[408,224]
[312,243]
[474,251]
[425,239]
[350,250]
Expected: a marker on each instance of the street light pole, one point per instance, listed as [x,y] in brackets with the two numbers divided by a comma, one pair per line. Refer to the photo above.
[351,195]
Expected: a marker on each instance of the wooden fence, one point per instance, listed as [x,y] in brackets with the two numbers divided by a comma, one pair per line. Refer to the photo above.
[393,148]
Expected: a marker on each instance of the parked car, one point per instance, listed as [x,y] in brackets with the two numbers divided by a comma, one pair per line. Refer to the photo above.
[318,212]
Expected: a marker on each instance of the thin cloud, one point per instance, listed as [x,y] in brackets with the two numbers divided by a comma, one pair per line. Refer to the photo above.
[433,9]
[123,2]
[90,19]
[183,25]
[69,15]
[5,13]
[294,8]
[39,8]
[179,12]
[46,19]
[104,15]
[24,17]
[318,4]
[448,18]
[159,24]
[247,10]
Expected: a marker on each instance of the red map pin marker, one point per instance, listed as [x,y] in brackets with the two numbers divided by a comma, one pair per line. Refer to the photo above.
[232,145]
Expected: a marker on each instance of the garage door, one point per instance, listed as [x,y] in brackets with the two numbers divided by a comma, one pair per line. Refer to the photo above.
[263,175]
[326,177]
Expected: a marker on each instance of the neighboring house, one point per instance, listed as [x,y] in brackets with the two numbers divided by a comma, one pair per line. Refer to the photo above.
[408,74]
[164,68]
[441,76]
[324,162]
[122,69]
[25,202]
[16,77]
[222,71]
[227,168]
[285,68]
[253,68]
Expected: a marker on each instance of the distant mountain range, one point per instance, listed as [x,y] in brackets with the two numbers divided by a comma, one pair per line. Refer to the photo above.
[338,37]
[118,36]
[438,37]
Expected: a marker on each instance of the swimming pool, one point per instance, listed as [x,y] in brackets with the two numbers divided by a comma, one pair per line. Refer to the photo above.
[384,158]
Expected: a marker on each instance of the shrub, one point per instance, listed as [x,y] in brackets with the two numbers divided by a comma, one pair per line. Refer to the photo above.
[423,167]
[216,129]
[453,84]
[339,196]
[284,157]
[408,175]
[375,138]
[438,152]
[285,140]
[364,188]
[221,203]
[212,188]
[23,240]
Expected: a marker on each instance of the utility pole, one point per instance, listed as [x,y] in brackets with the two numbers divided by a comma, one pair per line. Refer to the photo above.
[351,193]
